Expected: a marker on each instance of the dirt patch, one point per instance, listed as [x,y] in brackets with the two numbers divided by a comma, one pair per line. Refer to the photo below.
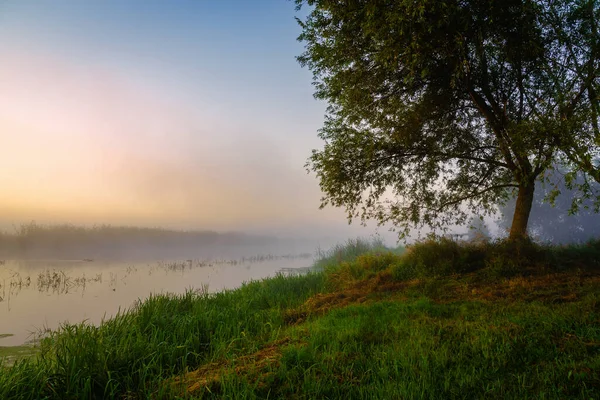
[371,289]
[208,376]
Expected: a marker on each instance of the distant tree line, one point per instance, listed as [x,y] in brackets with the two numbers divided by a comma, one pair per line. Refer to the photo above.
[105,241]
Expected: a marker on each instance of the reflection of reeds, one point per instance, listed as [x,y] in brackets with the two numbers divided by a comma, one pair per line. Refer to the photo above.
[15,283]
[49,280]
[270,257]
[56,281]
[60,282]
[178,266]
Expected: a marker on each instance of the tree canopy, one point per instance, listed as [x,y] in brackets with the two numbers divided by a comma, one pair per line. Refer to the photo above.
[438,109]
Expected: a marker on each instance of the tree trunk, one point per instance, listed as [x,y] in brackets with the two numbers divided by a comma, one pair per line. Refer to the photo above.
[518,229]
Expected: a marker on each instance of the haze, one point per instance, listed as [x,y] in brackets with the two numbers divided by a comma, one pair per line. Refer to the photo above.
[186,115]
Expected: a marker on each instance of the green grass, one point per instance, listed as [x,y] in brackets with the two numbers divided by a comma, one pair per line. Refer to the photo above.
[421,349]
[441,320]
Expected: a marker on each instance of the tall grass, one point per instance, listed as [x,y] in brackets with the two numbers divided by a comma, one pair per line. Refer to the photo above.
[349,251]
[450,331]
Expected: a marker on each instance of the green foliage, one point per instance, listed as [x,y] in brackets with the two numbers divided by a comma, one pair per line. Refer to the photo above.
[448,106]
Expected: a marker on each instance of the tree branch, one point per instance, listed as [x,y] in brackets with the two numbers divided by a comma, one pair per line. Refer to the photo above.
[475,194]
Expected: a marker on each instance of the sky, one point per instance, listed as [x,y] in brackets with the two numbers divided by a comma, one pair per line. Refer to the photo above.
[181,114]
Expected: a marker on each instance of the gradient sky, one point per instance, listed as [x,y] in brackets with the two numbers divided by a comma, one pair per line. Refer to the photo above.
[182,114]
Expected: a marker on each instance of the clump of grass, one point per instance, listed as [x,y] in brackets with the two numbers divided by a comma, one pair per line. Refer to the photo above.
[9,355]
[364,266]
[439,257]
[347,252]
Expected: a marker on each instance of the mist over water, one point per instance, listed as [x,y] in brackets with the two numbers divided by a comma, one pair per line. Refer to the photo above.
[51,274]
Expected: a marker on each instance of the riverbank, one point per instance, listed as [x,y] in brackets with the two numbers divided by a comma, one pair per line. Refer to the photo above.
[442,320]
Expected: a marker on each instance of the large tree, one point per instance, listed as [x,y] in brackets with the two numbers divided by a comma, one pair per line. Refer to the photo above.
[439,108]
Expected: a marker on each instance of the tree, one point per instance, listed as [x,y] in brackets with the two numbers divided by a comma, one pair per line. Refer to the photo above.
[438,109]
[559,213]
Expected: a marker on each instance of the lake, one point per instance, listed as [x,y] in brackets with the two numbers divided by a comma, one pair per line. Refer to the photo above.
[36,295]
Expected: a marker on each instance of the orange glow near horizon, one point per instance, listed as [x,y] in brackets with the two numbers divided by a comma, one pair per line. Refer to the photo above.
[86,147]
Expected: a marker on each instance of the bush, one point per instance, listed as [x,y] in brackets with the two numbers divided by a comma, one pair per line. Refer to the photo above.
[505,259]
[439,257]
[584,256]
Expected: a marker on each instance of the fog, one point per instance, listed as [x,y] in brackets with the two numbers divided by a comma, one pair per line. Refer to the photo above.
[160,119]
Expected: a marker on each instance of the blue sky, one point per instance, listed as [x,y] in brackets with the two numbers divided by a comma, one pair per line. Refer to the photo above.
[183,114]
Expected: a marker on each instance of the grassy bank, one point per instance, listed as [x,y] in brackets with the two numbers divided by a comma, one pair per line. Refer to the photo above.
[441,320]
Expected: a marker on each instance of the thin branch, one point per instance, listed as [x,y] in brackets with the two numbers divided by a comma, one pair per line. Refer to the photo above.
[476,194]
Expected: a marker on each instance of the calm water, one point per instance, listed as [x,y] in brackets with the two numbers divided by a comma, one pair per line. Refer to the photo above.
[38,294]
